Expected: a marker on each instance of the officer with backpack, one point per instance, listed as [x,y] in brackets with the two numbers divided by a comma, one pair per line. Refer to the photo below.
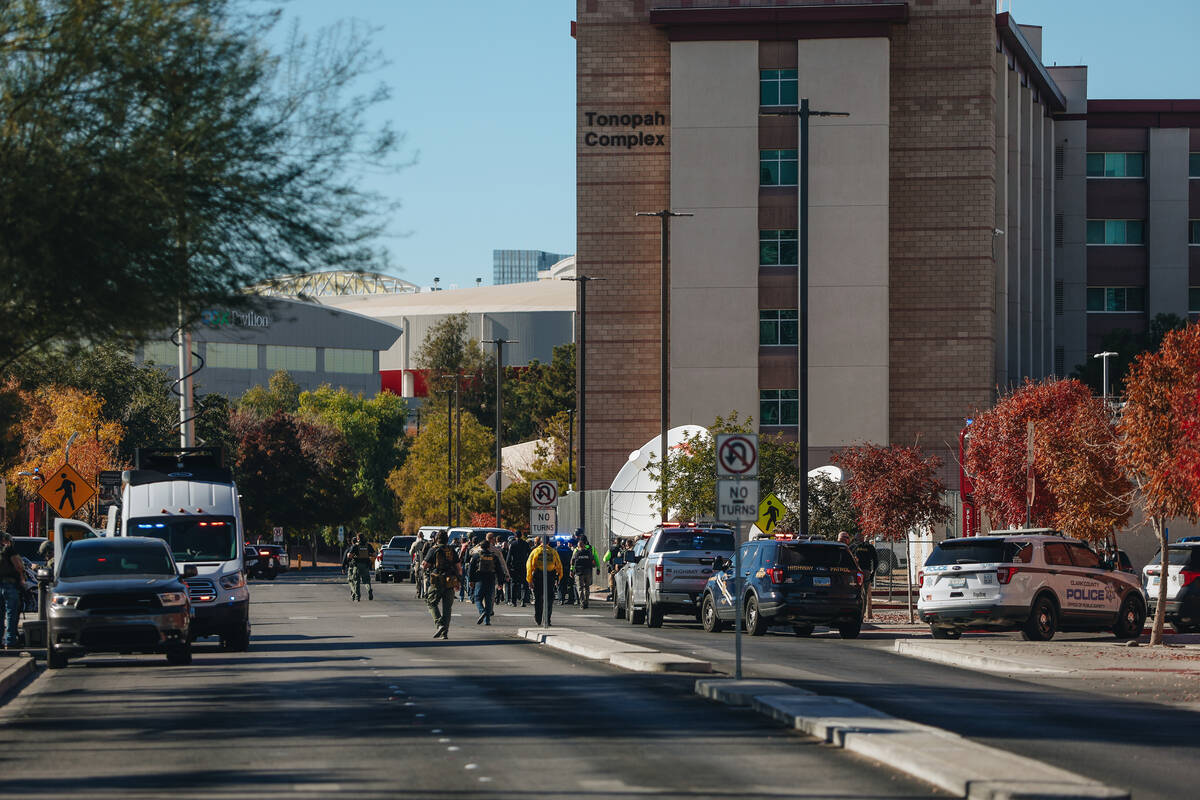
[483,570]
[357,563]
[583,562]
[443,576]
[518,553]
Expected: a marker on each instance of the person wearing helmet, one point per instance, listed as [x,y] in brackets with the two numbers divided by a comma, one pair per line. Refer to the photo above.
[444,576]
[584,563]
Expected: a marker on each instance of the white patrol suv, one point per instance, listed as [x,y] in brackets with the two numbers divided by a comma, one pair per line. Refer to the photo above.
[1183,583]
[1036,581]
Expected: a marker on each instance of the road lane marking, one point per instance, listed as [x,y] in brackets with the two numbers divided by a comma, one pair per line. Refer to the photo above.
[470,766]
[301,617]
[371,616]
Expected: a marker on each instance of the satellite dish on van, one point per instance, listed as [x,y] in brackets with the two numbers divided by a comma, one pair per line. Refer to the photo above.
[633,510]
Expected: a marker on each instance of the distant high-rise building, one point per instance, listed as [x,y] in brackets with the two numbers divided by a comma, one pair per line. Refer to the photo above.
[520,266]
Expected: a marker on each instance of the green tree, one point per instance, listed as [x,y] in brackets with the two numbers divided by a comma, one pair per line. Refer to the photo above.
[831,509]
[281,394]
[534,394]
[374,431]
[156,157]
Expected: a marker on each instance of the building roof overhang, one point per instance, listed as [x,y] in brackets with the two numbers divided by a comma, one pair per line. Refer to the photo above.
[819,20]
[1010,33]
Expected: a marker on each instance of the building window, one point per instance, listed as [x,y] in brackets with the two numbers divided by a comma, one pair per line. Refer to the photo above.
[1194,299]
[1116,231]
[778,248]
[1194,165]
[1116,299]
[1058,298]
[356,362]
[231,356]
[160,352]
[293,359]
[777,87]
[778,167]
[1116,165]
[1060,358]
[779,326]
[1194,231]
[779,406]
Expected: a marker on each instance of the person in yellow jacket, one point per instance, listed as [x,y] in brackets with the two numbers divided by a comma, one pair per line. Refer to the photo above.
[543,571]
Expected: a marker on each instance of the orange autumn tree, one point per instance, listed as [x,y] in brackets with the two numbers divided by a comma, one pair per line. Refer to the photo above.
[1079,486]
[1158,445]
[53,413]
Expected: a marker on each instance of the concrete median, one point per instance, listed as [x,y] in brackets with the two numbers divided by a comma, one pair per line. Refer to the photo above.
[633,657]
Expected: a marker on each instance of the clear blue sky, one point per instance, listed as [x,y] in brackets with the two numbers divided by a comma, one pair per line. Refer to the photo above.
[484,91]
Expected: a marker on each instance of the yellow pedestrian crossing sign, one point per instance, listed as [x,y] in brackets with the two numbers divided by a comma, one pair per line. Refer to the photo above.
[66,490]
[770,512]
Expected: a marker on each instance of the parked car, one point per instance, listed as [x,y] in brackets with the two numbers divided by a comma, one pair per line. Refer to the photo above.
[1036,581]
[393,562]
[117,594]
[802,583]
[29,547]
[265,561]
[890,555]
[1183,584]
[669,572]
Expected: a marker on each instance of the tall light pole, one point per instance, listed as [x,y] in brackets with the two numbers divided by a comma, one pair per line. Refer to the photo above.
[1106,355]
[499,414]
[450,456]
[804,112]
[664,385]
[582,282]
[457,444]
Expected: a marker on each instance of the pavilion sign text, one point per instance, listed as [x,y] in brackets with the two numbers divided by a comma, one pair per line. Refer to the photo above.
[632,123]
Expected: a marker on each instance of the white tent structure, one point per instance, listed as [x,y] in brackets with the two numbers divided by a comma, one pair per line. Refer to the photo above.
[632,509]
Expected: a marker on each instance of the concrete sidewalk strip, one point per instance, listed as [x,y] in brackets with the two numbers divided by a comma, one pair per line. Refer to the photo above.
[633,657]
[659,662]
[14,671]
[952,655]
[943,759]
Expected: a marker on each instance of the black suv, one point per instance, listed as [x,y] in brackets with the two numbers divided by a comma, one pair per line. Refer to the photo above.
[802,583]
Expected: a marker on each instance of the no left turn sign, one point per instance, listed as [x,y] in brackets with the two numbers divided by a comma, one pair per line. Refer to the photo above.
[544,494]
[737,455]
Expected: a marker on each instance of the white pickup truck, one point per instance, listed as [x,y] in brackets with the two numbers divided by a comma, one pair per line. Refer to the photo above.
[393,562]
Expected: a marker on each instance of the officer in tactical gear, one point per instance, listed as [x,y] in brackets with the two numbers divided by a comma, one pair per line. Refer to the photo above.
[357,563]
[444,576]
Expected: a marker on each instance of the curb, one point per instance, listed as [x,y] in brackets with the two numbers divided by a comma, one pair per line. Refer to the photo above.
[633,657]
[943,759]
[14,674]
[928,651]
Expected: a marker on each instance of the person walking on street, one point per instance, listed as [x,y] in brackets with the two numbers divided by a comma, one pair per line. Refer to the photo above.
[584,564]
[417,551]
[518,554]
[12,587]
[565,587]
[868,562]
[464,553]
[504,577]
[543,571]
[357,564]
[483,570]
[443,573]
[614,557]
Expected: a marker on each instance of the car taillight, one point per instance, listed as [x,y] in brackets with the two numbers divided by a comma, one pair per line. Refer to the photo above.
[264,552]
[776,575]
[920,578]
[1189,576]
[858,578]
[1005,574]
[658,573]
[1151,571]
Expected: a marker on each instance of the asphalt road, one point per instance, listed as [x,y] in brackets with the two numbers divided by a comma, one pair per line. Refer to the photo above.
[1091,727]
[356,699]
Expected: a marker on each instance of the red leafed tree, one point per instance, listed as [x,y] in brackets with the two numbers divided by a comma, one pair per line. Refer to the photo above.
[895,488]
[482,519]
[1160,439]
[996,455]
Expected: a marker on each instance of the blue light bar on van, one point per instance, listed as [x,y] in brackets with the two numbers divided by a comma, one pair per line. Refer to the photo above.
[151,525]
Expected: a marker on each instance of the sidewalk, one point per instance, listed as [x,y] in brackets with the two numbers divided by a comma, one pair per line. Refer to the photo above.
[15,667]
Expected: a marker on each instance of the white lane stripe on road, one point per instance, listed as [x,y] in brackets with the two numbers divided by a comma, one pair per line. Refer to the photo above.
[371,616]
[301,617]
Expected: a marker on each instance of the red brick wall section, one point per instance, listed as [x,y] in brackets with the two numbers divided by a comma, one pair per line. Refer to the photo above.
[942,182]
[622,67]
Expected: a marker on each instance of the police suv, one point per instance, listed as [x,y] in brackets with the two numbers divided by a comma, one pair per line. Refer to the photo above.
[1183,583]
[1036,581]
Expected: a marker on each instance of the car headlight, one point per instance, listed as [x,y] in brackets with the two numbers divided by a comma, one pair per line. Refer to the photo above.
[234,581]
[172,598]
[64,600]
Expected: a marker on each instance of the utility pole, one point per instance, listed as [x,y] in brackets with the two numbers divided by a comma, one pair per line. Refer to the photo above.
[582,282]
[499,415]
[1106,355]
[664,217]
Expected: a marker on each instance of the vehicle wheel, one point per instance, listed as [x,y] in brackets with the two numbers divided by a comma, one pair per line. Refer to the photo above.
[654,614]
[708,615]
[802,630]
[236,640]
[54,657]
[850,630]
[945,633]
[618,608]
[887,562]
[1042,622]
[1130,619]
[179,655]
[634,616]
[756,625]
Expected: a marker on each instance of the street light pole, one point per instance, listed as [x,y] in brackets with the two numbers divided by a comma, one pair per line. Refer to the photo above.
[1104,386]
[664,385]
[499,414]
[804,112]
[582,282]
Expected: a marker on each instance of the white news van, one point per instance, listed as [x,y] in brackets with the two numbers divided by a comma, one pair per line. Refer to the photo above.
[187,497]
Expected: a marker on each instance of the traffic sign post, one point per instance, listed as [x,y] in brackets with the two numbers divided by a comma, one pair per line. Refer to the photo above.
[543,494]
[770,511]
[66,491]
[277,535]
[737,455]
[737,502]
[542,521]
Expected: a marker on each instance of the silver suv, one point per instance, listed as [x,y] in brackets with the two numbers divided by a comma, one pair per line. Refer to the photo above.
[1035,581]
[670,571]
